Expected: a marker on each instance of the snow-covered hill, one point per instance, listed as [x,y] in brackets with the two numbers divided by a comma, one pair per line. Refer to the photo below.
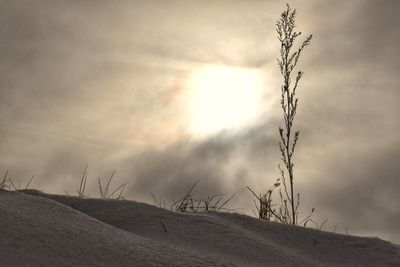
[38,229]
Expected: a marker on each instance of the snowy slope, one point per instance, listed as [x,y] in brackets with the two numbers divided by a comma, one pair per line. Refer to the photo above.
[126,233]
[40,232]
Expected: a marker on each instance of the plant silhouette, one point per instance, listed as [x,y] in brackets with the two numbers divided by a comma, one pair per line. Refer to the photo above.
[287,211]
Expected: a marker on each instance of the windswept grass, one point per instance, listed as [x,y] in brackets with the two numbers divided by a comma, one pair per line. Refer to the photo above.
[105,191]
[189,204]
[8,184]
[116,193]
[3,183]
[82,185]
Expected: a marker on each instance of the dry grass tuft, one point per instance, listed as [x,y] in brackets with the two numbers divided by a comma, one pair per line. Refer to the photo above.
[115,194]
[8,184]
[189,204]
[105,191]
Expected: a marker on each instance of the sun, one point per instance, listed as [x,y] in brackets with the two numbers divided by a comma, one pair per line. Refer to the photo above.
[224,98]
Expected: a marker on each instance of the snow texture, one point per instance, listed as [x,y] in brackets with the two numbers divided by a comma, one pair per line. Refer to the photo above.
[39,229]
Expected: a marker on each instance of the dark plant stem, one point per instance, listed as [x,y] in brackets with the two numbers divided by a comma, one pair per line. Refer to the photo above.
[287,63]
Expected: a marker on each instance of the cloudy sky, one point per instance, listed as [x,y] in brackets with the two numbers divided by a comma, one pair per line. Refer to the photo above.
[169,92]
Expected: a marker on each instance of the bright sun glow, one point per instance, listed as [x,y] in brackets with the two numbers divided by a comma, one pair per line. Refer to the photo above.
[224,98]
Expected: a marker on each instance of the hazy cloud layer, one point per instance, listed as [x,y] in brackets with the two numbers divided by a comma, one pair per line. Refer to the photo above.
[105,84]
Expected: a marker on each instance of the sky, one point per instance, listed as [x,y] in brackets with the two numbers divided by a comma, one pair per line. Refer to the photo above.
[169,92]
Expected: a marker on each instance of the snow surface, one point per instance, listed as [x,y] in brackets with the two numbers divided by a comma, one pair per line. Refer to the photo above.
[39,229]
